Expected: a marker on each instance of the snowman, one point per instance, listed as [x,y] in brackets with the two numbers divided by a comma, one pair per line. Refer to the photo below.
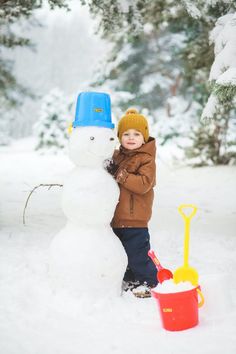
[86,258]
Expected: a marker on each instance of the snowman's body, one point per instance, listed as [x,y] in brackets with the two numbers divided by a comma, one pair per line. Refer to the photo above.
[86,257]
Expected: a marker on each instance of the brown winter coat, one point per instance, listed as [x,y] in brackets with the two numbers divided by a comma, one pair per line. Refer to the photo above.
[138,168]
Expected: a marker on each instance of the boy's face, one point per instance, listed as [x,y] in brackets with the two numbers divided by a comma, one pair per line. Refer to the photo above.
[132,139]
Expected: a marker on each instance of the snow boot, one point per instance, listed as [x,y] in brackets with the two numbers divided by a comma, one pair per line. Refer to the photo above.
[140,290]
[129,285]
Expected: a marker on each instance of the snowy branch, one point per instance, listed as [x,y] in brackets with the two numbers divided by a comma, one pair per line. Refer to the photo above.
[223,70]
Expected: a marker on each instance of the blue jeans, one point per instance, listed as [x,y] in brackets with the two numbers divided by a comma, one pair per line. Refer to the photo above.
[136,242]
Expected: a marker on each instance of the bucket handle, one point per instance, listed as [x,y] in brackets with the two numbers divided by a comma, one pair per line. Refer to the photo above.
[201,303]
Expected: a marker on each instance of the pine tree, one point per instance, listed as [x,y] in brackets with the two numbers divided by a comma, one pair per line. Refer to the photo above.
[223,71]
[148,67]
[124,23]
[51,129]
[142,66]
[215,144]
[11,13]
[12,92]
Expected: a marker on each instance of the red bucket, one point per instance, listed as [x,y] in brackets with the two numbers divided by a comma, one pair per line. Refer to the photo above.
[179,311]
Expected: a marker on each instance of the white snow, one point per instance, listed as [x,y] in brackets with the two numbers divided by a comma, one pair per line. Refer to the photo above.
[223,36]
[223,33]
[168,286]
[228,77]
[192,9]
[210,108]
[148,28]
[150,81]
[35,320]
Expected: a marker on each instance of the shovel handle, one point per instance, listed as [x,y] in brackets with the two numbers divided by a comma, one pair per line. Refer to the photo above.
[155,259]
[187,219]
[184,206]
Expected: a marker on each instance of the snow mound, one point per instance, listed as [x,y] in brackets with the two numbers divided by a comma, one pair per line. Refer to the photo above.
[168,286]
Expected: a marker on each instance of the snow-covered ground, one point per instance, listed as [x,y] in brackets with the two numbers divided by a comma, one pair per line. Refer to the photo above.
[34,320]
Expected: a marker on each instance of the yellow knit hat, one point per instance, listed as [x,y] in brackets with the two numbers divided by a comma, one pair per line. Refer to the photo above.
[133,120]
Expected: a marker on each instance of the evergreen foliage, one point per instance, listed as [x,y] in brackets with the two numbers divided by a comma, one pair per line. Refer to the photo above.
[223,71]
[225,92]
[51,128]
[183,68]
[215,144]
[12,13]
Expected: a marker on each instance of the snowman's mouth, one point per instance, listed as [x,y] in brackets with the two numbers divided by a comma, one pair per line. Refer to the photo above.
[95,154]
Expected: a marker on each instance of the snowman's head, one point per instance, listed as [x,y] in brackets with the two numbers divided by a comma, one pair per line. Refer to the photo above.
[89,146]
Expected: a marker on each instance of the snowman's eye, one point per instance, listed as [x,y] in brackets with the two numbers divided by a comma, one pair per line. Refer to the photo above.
[92,138]
[111,139]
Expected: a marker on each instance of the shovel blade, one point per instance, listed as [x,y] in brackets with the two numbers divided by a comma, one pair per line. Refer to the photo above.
[164,274]
[186,274]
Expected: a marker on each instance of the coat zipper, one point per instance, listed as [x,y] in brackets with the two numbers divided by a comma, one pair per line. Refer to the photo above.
[131,204]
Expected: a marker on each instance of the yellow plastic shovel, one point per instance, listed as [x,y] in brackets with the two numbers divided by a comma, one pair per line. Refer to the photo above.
[186,273]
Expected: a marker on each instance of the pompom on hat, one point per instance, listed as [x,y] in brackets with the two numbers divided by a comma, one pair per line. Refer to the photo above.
[133,120]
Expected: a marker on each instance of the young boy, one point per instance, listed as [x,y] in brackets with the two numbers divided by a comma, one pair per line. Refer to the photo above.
[134,169]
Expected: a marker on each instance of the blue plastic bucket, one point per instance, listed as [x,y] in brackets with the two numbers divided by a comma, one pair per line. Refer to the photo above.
[93,109]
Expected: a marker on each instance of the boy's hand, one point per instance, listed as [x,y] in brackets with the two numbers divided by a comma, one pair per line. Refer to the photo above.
[110,166]
[121,176]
